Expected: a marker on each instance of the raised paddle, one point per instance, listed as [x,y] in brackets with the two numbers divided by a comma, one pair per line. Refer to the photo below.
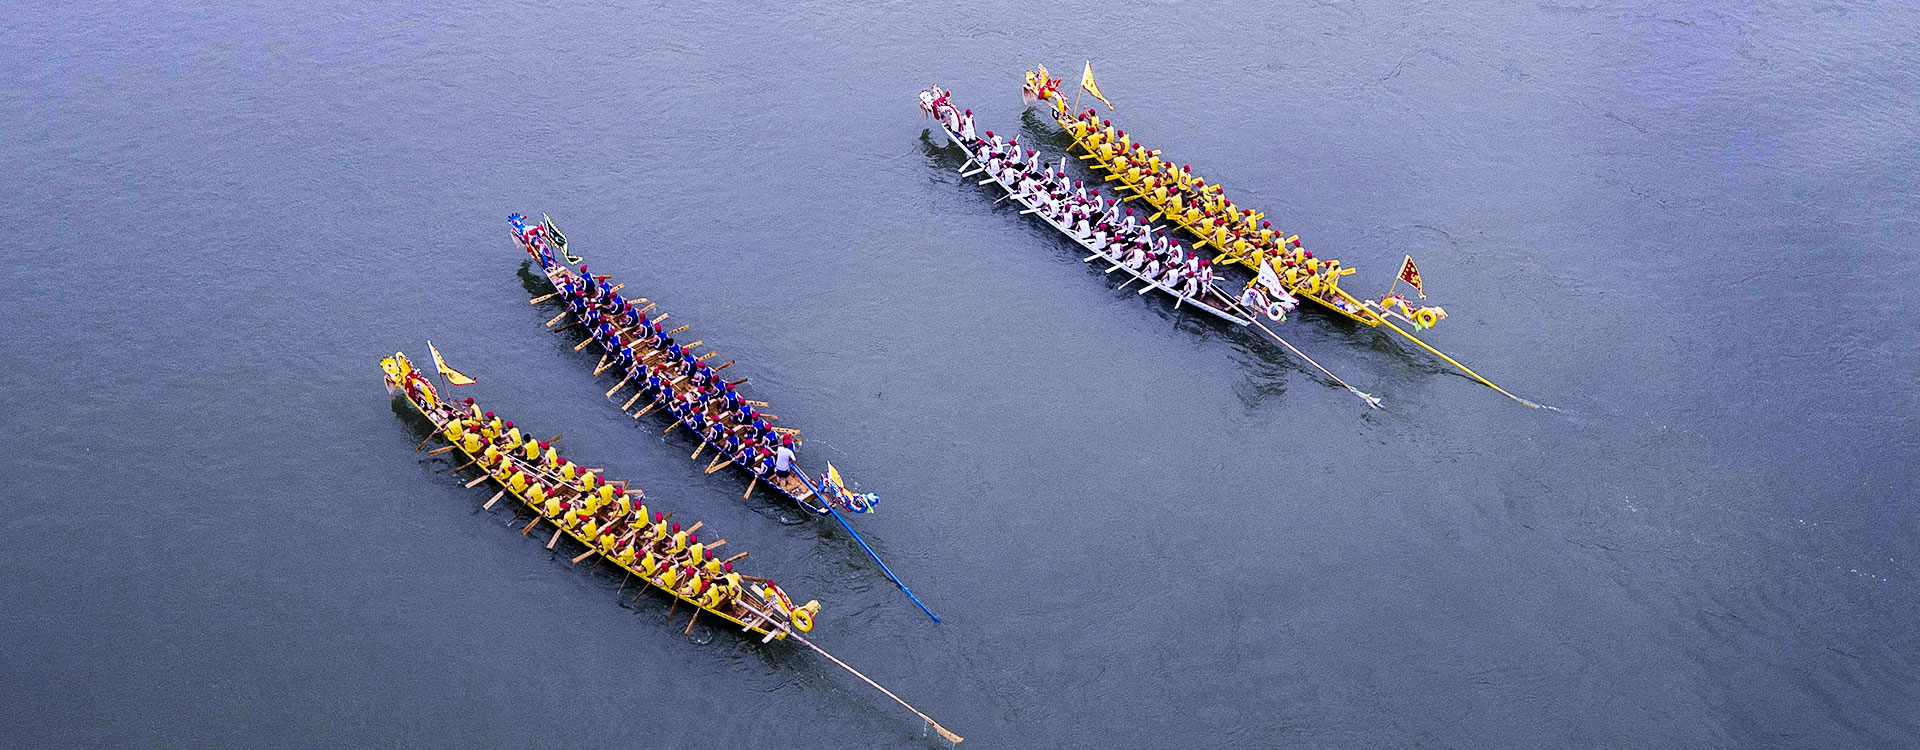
[643,412]
[542,298]
[477,480]
[738,382]
[438,451]
[725,366]
[583,345]
[556,319]
[729,561]
[677,330]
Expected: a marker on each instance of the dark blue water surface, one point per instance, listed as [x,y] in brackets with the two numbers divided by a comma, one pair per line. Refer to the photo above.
[1690,228]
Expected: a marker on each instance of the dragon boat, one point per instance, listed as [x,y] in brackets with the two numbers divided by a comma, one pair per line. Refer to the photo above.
[709,428]
[1210,300]
[605,521]
[642,351]
[602,517]
[1237,236]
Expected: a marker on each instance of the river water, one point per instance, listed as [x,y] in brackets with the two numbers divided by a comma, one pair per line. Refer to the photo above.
[1688,229]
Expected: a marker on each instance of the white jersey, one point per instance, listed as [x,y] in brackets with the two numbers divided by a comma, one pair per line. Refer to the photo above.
[783,459]
[966,127]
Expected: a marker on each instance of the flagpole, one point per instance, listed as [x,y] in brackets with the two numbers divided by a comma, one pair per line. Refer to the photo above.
[436,367]
[1083,87]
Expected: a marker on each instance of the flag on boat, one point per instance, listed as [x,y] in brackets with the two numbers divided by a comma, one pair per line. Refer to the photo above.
[1086,82]
[559,240]
[1271,281]
[454,377]
[837,490]
[1411,275]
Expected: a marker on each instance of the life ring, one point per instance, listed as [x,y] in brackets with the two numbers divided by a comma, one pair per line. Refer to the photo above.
[802,620]
[1425,317]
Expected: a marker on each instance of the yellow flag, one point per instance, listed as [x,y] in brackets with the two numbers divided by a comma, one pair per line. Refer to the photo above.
[454,377]
[1086,82]
[833,476]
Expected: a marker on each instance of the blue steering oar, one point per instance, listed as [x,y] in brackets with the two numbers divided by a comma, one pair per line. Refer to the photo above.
[863,543]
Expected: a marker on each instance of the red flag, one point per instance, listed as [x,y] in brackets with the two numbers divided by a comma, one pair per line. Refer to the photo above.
[1411,275]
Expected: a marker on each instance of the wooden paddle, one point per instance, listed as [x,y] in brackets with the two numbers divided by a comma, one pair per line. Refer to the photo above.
[677,330]
[585,555]
[556,319]
[696,451]
[643,412]
[438,451]
[729,561]
[556,537]
[676,423]
[719,462]
[750,486]
[723,367]
[537,518]
[430,436]
[616,388]
[583,345]
[476,482]
[636,397]
[496,498]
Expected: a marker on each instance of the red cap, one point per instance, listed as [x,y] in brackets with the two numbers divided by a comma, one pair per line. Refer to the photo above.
[489,415]
[694,538]
[727,567]
[676,528]
[509,424]
[469,401]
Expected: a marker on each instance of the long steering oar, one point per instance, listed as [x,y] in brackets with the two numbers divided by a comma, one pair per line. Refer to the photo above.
[863,544]
[1373,401]
[781,628]
[1463,368]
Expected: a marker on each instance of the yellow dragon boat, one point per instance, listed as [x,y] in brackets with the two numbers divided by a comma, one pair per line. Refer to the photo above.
[1142,175]
[607,522]
[611,529]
